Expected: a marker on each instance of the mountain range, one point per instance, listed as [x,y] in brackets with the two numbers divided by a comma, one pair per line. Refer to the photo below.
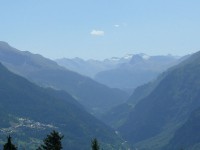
[28,112]
[40,96]
[91,67]
[167,110]
[125,73]
[96,97]
[139,70]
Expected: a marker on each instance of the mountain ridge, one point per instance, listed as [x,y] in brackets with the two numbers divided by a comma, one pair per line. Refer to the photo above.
[22,99]
[139,70]
[96,97]
[158,115]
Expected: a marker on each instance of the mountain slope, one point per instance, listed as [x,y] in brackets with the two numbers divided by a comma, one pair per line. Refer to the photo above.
[29,112]
[117,115]
[157,116]
[96,97]
[187,137]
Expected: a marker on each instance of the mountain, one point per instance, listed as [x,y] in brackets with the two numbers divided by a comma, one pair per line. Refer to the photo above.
[157,116]
[118,115]
[91,67]
[126,72]
[97,98]
[139,70]
[29,112]
[187,137]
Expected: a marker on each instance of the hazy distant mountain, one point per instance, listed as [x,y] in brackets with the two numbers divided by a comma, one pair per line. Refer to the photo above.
[91,67]
[139,70]
[29,112]
[96,97]
[153,121]
[126,72]
[116,116]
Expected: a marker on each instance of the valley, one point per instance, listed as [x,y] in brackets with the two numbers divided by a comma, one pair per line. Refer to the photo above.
[41,96]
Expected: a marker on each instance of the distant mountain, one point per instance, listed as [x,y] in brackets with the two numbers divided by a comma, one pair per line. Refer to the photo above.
[125,73]
[159,116]
[97,98]
[29,112]
[117,115]
[139,70]
[91,67]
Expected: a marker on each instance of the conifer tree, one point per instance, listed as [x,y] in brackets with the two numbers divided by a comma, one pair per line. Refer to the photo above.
[52,142]
[95,144]
[9,145]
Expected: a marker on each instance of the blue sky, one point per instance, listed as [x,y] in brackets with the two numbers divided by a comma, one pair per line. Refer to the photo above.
[101,28]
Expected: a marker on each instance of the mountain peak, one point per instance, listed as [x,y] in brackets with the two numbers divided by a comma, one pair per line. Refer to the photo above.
[128,56]
[144,56]
[4,44]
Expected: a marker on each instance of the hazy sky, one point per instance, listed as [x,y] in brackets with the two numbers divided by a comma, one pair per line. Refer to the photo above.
[101,28]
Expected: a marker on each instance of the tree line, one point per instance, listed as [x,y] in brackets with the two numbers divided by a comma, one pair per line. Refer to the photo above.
[53,141]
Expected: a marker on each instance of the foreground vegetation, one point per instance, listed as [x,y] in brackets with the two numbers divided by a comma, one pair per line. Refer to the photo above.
[51,142]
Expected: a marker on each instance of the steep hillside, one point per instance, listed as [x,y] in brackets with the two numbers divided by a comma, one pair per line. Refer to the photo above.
[157,116]
[117,115]
[96,97]
[187,137]
[28,112]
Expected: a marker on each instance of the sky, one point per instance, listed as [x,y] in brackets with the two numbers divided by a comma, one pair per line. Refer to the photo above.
[101,29]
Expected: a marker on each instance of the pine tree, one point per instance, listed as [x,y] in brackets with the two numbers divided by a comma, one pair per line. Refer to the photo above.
[52,142]
[95,144]
[9,145]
